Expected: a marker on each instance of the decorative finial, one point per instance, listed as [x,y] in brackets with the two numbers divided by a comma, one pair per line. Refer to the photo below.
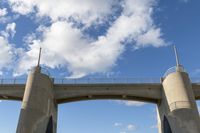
[39,57]
[176,55]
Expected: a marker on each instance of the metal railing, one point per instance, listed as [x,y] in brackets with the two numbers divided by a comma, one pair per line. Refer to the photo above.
[107,81]
[12,81]
[89,81]
[174,69]
[95,81]
[42,70]
[45,71]
[195,80]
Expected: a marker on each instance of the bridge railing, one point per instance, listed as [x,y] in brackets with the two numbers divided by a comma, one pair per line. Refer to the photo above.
[195,80]
[106,80]
[88,80]
[94,81]
[13,81]
[173,69]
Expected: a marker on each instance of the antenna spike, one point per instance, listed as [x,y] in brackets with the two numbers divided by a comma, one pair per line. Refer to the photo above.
[39,57]
[176,55]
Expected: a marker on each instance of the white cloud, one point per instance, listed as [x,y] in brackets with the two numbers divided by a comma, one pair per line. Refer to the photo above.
[126,128]
[22,6]
[73,50]
[153,36]
[154,126]
[117,124]
[5,18]
[130,103]
[10,28]
[3,12]
[5,53]
[0,101]
[87,11]
[67,46]
[131,127]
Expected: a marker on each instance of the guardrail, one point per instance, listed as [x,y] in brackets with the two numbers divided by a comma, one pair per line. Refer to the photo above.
[45,71]
[195,80]
[42,70]
[13,81]
[174,69]
[107,81]
[88,81]
[95,81]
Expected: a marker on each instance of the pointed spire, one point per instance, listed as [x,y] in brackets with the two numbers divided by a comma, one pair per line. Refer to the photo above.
[176,55]
[39,57]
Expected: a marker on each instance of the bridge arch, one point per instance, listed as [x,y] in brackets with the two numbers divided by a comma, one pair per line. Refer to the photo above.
[107,97]
[109,112]
[139,92]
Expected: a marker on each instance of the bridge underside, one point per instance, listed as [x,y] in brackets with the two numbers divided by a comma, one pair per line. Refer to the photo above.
[139,92]
[106,97]
[77,92]
[12,92]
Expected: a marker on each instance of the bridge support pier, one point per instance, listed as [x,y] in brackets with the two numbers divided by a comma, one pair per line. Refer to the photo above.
[39,109]
[178,111]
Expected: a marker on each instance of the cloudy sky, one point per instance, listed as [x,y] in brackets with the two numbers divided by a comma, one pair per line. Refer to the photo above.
[98,38]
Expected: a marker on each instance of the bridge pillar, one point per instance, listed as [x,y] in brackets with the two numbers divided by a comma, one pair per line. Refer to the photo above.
[178,110]
[39,109]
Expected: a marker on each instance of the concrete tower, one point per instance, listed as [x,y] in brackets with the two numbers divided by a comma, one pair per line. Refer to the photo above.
[39,110]
[178,111]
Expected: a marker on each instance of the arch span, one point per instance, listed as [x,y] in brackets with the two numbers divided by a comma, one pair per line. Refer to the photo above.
[139,92]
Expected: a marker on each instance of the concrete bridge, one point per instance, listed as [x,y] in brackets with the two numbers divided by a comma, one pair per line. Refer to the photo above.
[174,94]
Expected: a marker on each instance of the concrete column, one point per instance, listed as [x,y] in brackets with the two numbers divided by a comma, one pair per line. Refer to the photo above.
[39,109]
[159,121]
[162,111]
[178,109]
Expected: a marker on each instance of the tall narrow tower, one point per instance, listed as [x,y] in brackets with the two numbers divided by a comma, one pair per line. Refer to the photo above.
[39,110]
[178,109]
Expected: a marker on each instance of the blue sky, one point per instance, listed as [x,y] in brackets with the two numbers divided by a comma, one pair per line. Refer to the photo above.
[92,38]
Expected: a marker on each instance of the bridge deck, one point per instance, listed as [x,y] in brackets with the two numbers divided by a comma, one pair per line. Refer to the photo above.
[67,90]
[140,92]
